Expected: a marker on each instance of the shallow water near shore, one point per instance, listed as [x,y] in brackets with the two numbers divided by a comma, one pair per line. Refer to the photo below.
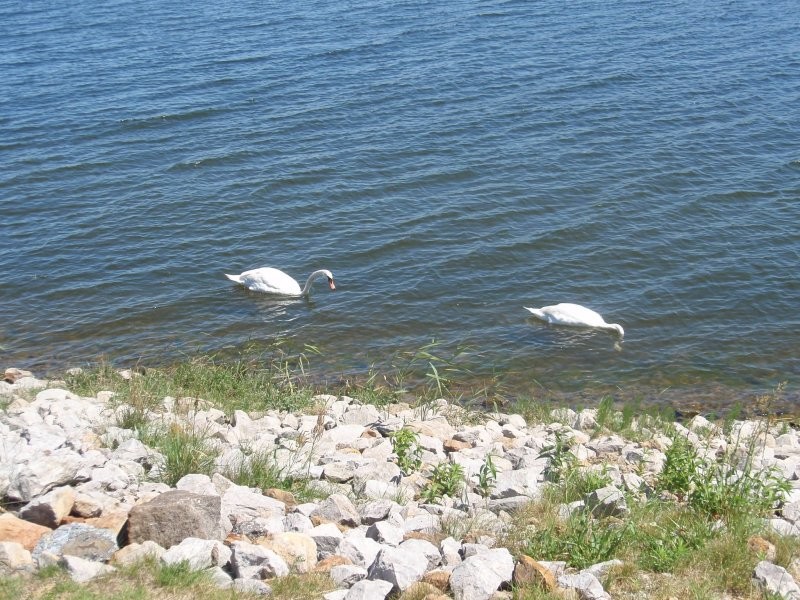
[450,164]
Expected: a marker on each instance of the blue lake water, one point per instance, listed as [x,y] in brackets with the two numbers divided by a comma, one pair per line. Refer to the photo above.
[449,162]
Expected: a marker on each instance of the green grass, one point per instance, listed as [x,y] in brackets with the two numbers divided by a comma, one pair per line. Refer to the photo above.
[260,470]
[185,451]
[277,380]
[179,575]
[148,580]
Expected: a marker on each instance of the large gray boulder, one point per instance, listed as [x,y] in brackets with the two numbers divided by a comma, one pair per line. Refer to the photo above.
[173,516]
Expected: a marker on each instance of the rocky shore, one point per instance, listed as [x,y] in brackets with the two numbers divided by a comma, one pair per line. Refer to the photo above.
[421,514]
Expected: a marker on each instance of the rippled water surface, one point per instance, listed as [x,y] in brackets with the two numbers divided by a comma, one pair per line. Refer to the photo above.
[449,162]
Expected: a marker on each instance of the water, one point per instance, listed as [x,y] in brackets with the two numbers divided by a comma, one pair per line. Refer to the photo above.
[449,162]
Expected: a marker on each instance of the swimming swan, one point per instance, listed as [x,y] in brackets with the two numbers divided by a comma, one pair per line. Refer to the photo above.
[275,281]
[574,315]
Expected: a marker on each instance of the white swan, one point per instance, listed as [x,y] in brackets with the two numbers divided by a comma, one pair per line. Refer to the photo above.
[574,315]
[275,281]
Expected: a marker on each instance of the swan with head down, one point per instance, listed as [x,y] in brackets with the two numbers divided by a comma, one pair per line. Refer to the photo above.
[574,315]
[274,281]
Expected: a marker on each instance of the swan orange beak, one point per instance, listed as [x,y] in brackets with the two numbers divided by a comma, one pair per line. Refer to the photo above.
[331,284]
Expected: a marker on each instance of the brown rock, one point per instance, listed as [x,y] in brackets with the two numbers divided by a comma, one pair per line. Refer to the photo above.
[455,445]
[419,590]
[326,564]
[528,572]
[317,520]
[114,520]
[173,516]
[286,497]
[11,375]
[438,579]
[297,549]
[237,537]
[23,532]
[762,548]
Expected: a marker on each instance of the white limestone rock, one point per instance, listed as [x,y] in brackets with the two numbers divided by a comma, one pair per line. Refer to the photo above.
[82,570]
[327,538]
[51,508]
[346,576]
[14,558]
[198,554]
[252,561]
[385,533]
[338,508]
[426,549]
[361,550]
[480,576]
[369,590]
[399,566]
[586,584]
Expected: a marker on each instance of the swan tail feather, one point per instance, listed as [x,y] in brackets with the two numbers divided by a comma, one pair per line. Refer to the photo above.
[236,278]
[535,311]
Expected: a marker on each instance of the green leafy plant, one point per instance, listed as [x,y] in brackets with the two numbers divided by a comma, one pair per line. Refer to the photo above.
[581,540]
[446,480]
[561,459]
[487,475]
[681,467]
[407,449]
[726,487]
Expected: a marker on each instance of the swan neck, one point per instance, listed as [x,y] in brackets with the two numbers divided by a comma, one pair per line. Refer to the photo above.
[309,283]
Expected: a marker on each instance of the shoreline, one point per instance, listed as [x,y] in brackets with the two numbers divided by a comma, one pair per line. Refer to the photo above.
[685,395]
[369,495]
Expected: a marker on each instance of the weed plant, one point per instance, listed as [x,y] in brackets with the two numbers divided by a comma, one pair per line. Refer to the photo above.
[487,475]
[407,449]
[581,540]
[727,487]
[561,460]
[446,479]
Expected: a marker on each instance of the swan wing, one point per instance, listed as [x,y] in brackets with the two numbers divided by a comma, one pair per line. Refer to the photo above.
[572,314]
[270,281]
